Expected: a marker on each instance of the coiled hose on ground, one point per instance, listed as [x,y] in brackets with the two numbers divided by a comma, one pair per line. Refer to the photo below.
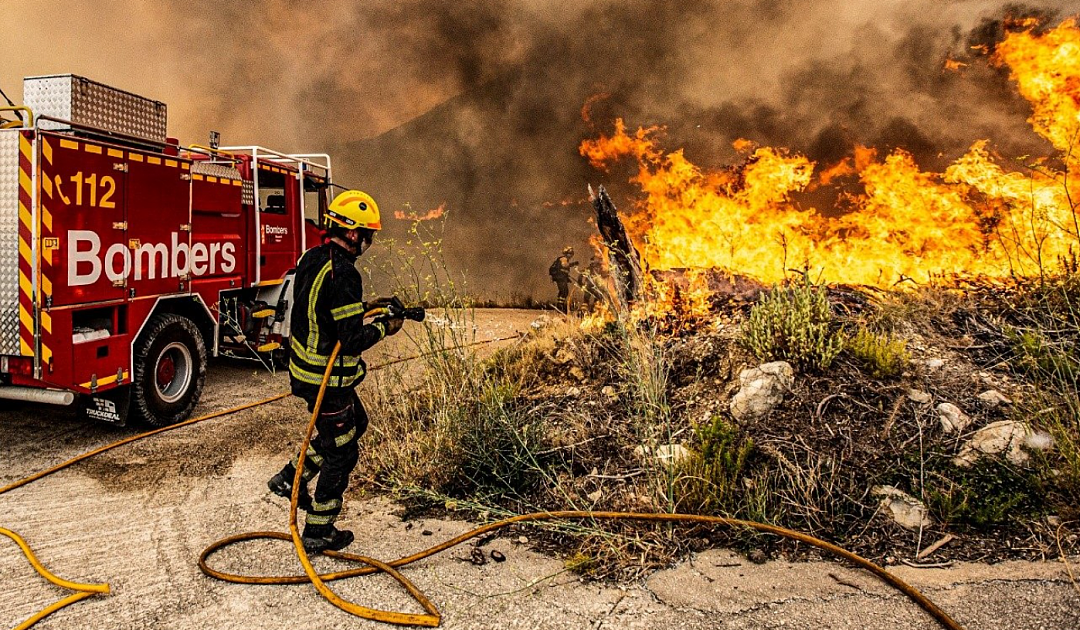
[82,591]
[431,617]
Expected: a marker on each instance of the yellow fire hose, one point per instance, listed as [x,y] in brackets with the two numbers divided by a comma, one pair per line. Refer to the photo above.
[431,617]
[82,591]
[88,590]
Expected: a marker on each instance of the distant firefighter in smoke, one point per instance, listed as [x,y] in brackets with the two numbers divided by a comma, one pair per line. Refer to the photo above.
[560,275]
[591,281]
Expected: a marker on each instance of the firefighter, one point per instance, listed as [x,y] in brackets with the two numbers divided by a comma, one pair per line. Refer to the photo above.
[591,281]
[560,275]
[329,307]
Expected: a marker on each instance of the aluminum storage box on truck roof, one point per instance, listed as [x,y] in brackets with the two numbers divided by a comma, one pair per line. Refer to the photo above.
[85,102]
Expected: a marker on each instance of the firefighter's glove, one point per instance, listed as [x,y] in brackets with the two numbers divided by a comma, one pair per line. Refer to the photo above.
[379,302]
[393,324]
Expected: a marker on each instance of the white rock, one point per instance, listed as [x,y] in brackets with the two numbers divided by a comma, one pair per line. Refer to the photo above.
[666,454]
[992,398]
[952,419]
[610,392]
[934,364]
[761,389]
[573,392]
[1005,436]
[905,509]
[540,322]
[672,453]
[918,396]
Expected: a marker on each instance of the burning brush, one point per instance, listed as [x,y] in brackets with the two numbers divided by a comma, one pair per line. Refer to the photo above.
[977,219]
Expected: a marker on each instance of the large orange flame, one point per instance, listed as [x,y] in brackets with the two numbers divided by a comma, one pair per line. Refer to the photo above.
[978,218]
[1046,69]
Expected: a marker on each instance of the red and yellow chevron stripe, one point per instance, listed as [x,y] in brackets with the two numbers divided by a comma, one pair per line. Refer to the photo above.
[29,302]
[47,250]
[27,342]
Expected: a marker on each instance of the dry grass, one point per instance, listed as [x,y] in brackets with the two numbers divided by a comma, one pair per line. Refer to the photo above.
[463,425]
[913,310]
[1043,335]
[573,419]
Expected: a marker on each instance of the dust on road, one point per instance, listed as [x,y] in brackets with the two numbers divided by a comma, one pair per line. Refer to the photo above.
[137,517]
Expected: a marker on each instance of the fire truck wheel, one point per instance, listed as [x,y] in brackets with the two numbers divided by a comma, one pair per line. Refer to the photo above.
[170,369]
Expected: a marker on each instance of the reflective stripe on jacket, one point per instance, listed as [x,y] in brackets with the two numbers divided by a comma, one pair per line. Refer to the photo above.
[328,307]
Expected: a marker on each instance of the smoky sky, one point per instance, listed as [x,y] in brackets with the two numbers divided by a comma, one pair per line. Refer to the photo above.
[478,104]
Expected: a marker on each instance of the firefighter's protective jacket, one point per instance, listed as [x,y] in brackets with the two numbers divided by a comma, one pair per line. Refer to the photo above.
[328,307]
[560,269]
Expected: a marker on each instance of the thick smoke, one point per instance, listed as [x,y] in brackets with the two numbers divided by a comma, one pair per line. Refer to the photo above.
[479,104]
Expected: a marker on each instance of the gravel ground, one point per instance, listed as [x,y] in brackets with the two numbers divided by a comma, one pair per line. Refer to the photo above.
[138,517]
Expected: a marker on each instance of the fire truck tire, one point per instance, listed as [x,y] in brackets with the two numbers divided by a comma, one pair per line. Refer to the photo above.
[170,369]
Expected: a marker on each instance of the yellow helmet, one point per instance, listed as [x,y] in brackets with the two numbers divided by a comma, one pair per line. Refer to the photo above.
[354,209]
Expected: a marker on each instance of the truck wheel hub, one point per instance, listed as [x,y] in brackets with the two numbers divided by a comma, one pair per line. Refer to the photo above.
[172,374]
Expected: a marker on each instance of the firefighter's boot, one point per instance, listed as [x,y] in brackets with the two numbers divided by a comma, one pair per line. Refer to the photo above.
[281,485]
[318,539]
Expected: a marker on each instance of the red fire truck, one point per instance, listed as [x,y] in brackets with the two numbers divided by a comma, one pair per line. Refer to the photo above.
[126,261]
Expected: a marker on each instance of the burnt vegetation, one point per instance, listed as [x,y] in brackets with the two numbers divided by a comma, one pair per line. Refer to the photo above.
[638,417]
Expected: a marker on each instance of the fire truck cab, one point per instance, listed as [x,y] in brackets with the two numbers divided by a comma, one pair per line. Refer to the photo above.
[126,261]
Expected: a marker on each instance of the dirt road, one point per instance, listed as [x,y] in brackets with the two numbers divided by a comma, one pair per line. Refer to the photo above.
[137,517]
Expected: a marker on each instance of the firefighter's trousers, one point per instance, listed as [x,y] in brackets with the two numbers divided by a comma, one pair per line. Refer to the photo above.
[564,291]
[332,456]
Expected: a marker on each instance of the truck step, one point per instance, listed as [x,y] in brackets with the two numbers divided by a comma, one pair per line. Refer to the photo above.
[269,347]
[263,314]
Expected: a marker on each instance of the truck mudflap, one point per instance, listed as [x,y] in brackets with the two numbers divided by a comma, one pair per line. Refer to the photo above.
[110,406]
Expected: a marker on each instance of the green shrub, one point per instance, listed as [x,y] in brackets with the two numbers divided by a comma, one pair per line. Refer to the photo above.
[987,494]
[880,356]
[463,430]
[496,445]
[793,323]
[707,481]
[1055,363]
